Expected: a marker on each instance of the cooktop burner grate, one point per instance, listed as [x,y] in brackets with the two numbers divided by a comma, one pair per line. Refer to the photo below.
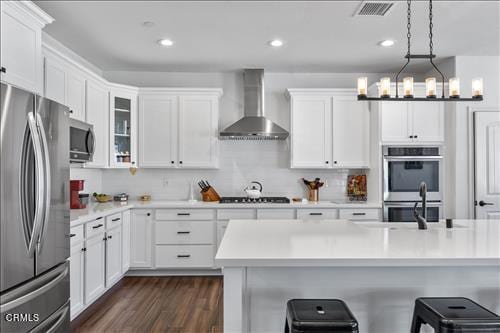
[283,200]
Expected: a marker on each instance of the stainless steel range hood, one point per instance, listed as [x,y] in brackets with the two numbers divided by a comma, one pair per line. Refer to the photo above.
[254,125]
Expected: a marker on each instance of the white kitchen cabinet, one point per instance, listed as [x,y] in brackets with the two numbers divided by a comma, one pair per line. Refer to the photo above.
[141,229]
[55,80]
[21,51]
[125,241]
[360,214]
[329,129]
[97,114]
[275,214]
[198,131]
[158,131]
[95,267]
[113,255]
[351,133]
[311,131]
[178,128]
[76,269]
[395,122]
[184,256]
[75,94]
[221,230]
[427,120]
[123,128]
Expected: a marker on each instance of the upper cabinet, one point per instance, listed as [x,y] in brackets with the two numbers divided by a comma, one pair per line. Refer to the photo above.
[178,128]
[329,129]
[21,51]
[97,114]
[75,94]
[123,127]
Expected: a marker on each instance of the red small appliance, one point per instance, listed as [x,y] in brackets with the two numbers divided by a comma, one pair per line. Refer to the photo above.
[75,187]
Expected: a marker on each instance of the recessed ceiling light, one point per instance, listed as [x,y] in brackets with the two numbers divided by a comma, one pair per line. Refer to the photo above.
[276,43]
[148,24]
[165,42]
[386,43]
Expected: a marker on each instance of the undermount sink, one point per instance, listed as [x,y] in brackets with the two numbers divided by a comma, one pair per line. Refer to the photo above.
[406,225]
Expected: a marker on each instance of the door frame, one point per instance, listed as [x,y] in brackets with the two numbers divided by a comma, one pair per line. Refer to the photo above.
[471,155]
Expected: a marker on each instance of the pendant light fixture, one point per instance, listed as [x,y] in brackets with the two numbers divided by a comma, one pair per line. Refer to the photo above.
[430,83]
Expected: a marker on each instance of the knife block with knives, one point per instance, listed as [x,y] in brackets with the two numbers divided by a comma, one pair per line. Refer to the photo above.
[208,193]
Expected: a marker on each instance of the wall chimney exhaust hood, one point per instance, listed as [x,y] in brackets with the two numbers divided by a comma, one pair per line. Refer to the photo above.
[254,125]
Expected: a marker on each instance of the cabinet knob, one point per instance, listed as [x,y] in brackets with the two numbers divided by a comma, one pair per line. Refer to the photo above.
[70,111]
[4,70]
[411,136]
[105,238]
[109,237]
[172,162]
[334,162]
[148,214]
[84,249]
[415,136]
[326,162]
[180,162]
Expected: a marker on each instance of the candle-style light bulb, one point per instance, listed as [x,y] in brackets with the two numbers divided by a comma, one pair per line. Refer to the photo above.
[362,87]
[477,88]
[454,86]
[430,87]
[385,87]
[408,87]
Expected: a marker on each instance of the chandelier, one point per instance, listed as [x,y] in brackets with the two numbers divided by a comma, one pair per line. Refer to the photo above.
[430,83]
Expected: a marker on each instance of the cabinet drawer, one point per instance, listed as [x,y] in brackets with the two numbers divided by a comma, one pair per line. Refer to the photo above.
[184,232]
[359,214]
[236,214]
[113,221]
[76,235]
[95,227]
[185,214]
[275,214]
[184,256]
[316,214]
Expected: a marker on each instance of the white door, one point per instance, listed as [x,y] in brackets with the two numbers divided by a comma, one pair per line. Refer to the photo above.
[395,122]
[198,131]
[21,51]
[158,131]
[75,94]
[427,121]
[140,238]
[125,241]
[76,269]
[351,133]
[55,81]
[95,267]
[311,132]
[113,255]
[487,160]
[98,115]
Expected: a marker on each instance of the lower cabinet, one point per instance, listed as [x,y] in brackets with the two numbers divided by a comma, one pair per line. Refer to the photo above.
[125,241]
[76,269]
[184,256]
[141,224]
[113,255]
[95,267]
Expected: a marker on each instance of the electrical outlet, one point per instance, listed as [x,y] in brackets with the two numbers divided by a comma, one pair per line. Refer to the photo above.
[164,182]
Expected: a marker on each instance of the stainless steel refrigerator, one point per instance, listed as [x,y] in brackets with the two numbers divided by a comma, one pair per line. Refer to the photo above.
[34,205]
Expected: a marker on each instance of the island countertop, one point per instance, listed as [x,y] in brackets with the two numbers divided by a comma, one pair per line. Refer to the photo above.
[295,243]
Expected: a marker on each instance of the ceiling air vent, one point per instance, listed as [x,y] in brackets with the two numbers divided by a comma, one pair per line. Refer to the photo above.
[374,8]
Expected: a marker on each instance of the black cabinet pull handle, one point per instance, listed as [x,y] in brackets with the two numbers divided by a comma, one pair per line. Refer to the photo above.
[97,226]
[109,237]
[4,70]
[358,214]
[411,136]
[183,214]
[99,218]
[316,214]
[183,232]
[415,136]
[148,214]
[183,256]
[72,235]
[84,249]
[117,219]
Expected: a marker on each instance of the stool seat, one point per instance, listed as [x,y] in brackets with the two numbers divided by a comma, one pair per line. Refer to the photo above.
[319,315]
[453,314]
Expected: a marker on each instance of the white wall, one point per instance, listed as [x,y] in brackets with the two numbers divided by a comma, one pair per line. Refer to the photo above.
[92,177]
[240,161]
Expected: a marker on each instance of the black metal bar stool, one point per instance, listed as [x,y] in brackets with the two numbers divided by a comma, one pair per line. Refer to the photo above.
[319,316]
[453,314]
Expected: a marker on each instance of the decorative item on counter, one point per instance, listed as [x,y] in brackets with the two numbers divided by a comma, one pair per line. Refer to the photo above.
[122,197]
[191,193]
[145,197]
[208,193]
[75,187]
[84,198]
[101,197]
[252,191]
[132,169]
[356,187]
[313,187]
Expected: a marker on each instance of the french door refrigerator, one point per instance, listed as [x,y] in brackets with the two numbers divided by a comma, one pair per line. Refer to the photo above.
[34,205]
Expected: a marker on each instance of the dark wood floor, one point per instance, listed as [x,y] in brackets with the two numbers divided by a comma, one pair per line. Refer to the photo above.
[157,304]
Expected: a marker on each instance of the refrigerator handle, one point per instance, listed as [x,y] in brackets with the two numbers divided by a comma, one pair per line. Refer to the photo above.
[47,180]
[55,321]
[30,291]
[40,183]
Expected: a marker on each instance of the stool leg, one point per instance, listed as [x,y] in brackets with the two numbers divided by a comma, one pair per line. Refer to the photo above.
[287,330]
[416,324]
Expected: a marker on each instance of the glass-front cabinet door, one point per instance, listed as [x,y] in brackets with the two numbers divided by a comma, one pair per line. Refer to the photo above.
[123,129]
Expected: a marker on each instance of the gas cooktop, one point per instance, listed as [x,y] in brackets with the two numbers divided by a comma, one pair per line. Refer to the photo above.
[283,200]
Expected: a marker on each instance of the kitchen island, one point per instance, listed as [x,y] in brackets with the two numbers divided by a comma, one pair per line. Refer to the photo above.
[378,269]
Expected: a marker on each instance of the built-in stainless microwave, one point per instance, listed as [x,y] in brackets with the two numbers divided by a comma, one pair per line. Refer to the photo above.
[81,142]
[406,167]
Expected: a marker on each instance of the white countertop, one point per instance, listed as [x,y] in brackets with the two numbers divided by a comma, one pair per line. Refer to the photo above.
[95,209]
[289,243]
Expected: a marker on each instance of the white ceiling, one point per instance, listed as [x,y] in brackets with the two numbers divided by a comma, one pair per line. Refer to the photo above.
[220,36]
